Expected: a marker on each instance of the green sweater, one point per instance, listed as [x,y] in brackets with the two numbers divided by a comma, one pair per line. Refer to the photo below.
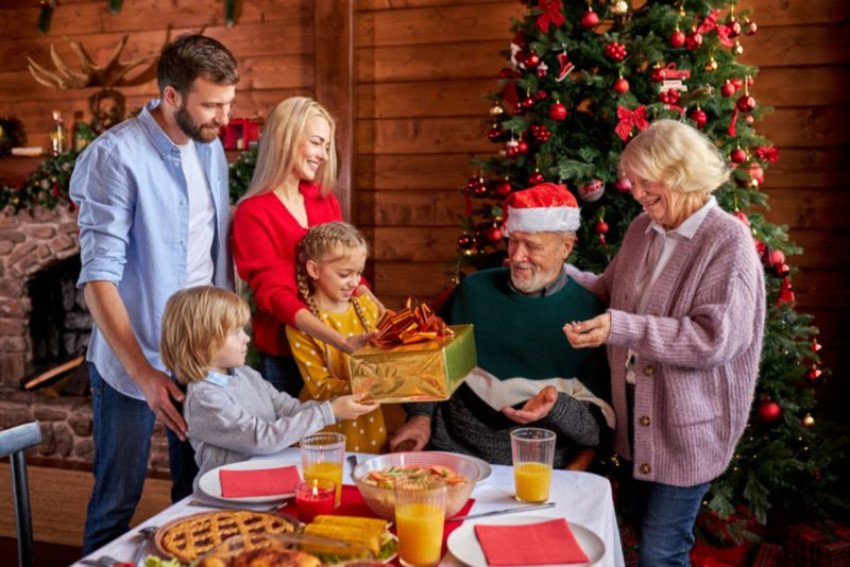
[519,336]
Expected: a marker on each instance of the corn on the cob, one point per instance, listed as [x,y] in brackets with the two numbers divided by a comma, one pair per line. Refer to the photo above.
[377,524]
[363,538]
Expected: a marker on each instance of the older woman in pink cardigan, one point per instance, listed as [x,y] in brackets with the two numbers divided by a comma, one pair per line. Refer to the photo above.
[684,333]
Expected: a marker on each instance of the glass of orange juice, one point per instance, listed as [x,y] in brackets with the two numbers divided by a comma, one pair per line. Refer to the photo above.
[420,512]
[322,455]
[533,450]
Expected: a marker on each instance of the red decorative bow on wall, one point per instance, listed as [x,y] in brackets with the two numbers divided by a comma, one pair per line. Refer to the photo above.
[629,119]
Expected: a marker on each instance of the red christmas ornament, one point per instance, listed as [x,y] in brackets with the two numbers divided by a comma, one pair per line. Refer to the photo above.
[782,270]
[814,376]
[756,174]
[677,39]
[522,147]
[592,191]
[738,155]
[815,346]
[746,103]
[693,41]
[615,51]
[699,117]
[775,258]
[503,188]
[541,95]
[558,111]
[623,185]
[495,134]
[473,183]
[751,28]
[734,27]
[528,102]
[769,411]
[535,178]
[670,96]
[466,241]
[589,19]
[741,216]
[493,234]
[659,74]
[511,148]
[761,247]
[728,89]
[601,227]
[621,86]
[532,60]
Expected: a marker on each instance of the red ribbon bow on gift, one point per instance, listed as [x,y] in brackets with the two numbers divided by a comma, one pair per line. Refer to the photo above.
[629,119]
[552,14]
[414,323]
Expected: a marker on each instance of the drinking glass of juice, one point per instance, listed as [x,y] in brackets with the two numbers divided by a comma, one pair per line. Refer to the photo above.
[420,511]
[322,455]
[533,450]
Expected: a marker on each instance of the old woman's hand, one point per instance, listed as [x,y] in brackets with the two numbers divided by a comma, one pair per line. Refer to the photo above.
[591,333]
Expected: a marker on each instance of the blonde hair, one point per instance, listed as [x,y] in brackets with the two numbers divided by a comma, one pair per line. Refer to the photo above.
[324,243]
[677,155]
[281,133]
[195,325]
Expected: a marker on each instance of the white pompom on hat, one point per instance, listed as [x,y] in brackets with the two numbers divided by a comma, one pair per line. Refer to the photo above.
[543,208]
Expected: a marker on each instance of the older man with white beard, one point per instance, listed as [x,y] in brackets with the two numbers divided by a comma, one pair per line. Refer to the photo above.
[528,374]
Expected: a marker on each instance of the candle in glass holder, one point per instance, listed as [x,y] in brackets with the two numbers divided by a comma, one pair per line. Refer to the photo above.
[314,497]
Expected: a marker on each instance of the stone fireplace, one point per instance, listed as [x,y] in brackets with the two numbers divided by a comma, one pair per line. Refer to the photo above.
[43,321]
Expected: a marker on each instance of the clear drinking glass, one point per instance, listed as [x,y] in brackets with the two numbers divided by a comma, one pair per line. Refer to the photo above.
[420,512]
[533,450]
[322,456]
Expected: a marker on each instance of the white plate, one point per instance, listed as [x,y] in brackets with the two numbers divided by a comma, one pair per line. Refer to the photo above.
[464,545]
[210,483]
[484,468]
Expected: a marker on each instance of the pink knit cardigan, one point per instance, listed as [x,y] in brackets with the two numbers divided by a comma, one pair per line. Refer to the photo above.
[699,345]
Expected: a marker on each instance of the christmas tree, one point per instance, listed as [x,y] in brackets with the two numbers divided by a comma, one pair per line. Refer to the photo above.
[583,78]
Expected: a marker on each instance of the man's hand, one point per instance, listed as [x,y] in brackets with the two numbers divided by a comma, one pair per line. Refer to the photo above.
[413,435]
[535,408]
[159,390]
[591,333]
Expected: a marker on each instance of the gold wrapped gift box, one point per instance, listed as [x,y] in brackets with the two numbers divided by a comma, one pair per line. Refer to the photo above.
[419,372]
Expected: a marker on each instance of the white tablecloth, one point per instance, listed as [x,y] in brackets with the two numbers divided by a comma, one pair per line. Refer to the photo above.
[580,497]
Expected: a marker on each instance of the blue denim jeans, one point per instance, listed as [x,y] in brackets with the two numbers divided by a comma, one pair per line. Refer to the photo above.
[666,516]
[122,441]
[282,373]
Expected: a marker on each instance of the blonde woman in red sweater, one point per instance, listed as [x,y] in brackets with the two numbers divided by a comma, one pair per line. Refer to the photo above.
[291,190]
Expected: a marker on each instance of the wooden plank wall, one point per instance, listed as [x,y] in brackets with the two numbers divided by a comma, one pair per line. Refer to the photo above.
[273,41]
[422,66]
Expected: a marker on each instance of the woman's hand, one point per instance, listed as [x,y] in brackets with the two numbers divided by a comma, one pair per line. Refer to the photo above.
[591,333]
[350,407]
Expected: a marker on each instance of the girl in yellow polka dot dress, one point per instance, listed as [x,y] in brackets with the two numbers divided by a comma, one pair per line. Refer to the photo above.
[331,258]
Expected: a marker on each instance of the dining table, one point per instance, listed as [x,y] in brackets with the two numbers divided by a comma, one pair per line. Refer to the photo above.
[579,497]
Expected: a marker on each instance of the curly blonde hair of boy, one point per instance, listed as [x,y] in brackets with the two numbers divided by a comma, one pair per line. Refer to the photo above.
[326,242]
[195,326]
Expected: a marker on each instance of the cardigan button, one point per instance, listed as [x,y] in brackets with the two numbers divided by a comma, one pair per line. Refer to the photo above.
[645,421]
[648,370]
[645,468]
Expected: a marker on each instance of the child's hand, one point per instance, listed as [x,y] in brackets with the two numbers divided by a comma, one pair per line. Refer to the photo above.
[354,343]
[349,407]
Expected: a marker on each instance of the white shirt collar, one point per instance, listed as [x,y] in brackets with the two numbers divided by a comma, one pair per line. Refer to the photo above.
[689,226]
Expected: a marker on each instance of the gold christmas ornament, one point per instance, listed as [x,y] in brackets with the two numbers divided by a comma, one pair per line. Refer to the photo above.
[496,110]
[711,65]
[808,421]
[738,49]
[620,8]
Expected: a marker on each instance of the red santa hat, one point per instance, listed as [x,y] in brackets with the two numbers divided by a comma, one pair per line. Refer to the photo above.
[543,208]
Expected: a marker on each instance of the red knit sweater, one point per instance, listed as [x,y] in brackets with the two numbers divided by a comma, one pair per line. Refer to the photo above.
[265,235]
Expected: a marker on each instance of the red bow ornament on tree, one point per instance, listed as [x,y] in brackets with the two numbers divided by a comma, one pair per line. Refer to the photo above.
[723,30]
[552,14]
[629,119]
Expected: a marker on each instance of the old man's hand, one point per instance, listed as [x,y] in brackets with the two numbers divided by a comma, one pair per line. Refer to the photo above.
[591,333]
[535,408]
[413,435]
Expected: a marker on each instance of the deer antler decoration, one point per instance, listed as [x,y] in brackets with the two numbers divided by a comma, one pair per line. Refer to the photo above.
[110,74]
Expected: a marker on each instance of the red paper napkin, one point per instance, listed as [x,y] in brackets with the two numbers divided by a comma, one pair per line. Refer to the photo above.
[258,482]
[543,543]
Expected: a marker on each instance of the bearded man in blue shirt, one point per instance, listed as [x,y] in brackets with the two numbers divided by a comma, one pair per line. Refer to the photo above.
[154,218]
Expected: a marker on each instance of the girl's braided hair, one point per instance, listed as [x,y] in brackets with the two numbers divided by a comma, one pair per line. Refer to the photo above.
[322,243]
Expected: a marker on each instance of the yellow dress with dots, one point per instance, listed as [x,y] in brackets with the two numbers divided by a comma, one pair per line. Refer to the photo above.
[326,374]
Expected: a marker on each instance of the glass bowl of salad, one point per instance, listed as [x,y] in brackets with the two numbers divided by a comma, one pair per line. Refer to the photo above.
[376,478]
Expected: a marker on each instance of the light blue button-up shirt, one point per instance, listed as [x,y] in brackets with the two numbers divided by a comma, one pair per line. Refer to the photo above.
[133,204]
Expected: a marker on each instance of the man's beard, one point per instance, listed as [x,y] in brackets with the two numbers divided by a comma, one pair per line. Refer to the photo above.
[204,133]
